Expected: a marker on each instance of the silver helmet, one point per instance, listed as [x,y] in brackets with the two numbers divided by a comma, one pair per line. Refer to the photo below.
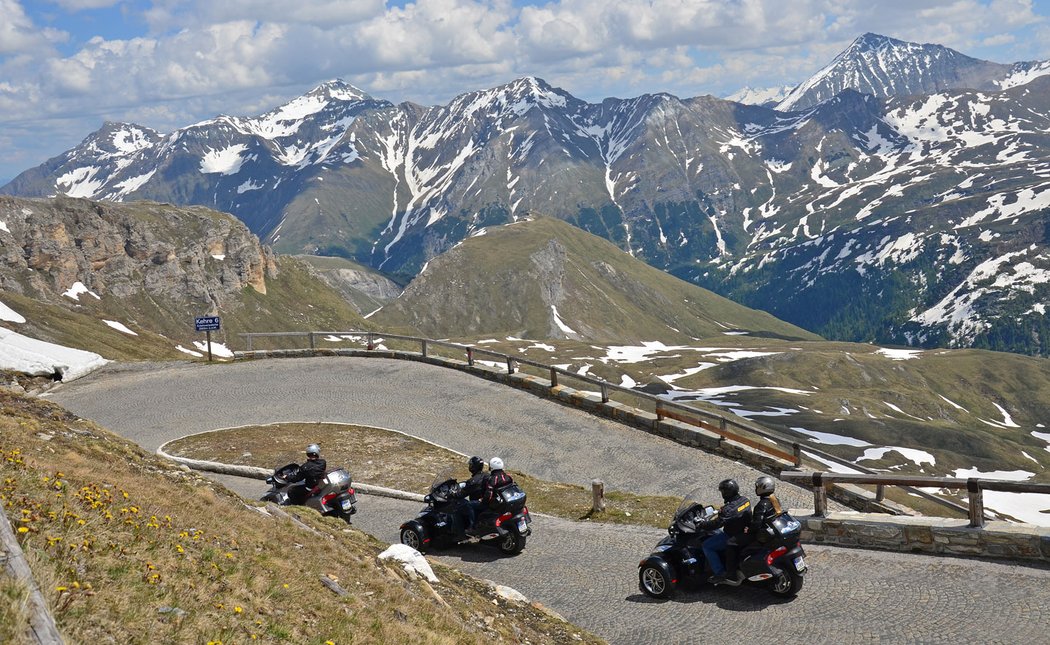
[313,450]
[764,485]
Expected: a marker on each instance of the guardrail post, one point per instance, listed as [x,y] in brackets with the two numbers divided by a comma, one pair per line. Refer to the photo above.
[597,496]
[510,365]
[820,496]
[311,340]
[880,492]
[605,393]
[371,343]
[659,413]
[973,487]
[796,449]
[554,377]
[249,336]
[470,356]
[423,349]
[722,427]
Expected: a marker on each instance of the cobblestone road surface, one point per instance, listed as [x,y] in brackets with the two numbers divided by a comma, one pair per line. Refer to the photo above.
[585,571]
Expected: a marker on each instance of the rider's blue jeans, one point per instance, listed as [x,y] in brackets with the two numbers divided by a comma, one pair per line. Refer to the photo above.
[713,548]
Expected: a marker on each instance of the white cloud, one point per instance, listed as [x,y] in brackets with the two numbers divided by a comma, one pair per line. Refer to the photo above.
[198,58]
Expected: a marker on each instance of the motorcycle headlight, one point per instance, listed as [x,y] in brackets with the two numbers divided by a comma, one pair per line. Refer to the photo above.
[661,548]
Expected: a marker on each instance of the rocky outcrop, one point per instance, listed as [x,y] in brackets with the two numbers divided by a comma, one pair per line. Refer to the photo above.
[189,255]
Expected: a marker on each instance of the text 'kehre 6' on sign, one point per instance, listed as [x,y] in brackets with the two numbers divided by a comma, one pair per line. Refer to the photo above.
[206,323]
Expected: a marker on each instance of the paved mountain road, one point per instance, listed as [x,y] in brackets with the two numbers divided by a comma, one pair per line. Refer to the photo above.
[585,571]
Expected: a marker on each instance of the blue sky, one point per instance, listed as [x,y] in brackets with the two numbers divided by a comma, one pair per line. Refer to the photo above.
[66,66]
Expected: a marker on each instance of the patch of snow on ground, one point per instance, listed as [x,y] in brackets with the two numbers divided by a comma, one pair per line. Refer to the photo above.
[217,349]
[226,161]
[833,466]
[561,324]
[635,353]
[38,358]
[1007,419]
[543,346]
[219,256]
[487,341]
[189,351]
[1006,475]
[832,439]
[896,409]
[953,404]
[899,354]
[918,457]
[627,381]
[1044,436]
[10,315]
[689,371]
[119,327]
[1032,508]
[77,289]
[735,333]
[3,226]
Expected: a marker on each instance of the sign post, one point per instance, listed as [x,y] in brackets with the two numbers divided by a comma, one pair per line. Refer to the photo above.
[207,324]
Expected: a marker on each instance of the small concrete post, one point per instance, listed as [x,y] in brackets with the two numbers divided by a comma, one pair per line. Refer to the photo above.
[880,492]
[797,450]
[510,365]
[312,340]
[554,377]
[470,356]
[423,348]
[605,393]
[371,344]
[722,427]
[597,496]
[973,487]
[249,336]
[820,496]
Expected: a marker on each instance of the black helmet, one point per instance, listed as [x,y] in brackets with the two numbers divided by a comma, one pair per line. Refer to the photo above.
[729,489]
[476,465]
[764,485]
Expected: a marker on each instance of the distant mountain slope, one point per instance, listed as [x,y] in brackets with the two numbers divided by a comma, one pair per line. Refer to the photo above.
[546,279]
[69,265]
[914,219]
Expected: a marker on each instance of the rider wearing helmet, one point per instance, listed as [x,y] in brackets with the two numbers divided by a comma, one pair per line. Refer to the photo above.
[732,521]
[313,470]
[766,508]
[472,490]
[496,479]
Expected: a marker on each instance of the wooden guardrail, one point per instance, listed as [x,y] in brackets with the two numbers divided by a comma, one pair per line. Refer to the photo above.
[42,628]
[975,487]
[765,440]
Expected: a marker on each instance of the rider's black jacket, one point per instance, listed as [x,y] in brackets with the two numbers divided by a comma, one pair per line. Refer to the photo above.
[733,518]
[767,508]
[474,487]
[313,471]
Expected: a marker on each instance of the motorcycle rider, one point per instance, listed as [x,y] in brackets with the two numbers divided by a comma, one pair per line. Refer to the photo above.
[312,471]
[766,508]
[733,520]
[497,478]
[472,490]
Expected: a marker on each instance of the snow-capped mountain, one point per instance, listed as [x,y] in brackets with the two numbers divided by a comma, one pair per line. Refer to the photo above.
[915,218]
[883,66]
[767,97]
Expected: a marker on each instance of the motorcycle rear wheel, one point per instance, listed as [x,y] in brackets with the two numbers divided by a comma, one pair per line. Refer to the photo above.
[786,585]
[512,543]
[653,582]
[410,536]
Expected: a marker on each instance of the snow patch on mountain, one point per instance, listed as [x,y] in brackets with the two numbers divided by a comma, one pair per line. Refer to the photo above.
[226,161]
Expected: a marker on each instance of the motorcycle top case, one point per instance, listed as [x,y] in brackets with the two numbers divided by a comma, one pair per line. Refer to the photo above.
[784,528]
[510,496]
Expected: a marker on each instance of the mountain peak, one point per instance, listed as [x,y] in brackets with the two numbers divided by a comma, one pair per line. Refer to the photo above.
[873,41]
[340,90]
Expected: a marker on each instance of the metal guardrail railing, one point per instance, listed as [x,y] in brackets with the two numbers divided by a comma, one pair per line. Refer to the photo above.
[729,427]
[974,486]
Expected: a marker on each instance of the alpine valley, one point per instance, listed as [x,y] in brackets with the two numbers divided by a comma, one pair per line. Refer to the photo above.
[897,196]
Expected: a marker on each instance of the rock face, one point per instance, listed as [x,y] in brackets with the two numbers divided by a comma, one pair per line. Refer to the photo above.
[190,255]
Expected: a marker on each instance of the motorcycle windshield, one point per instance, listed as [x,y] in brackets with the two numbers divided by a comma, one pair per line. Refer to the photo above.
[445,485]
[694,498]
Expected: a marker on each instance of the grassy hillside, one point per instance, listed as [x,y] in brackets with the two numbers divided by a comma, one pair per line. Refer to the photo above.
[294,300]
[128,548]
[547,279]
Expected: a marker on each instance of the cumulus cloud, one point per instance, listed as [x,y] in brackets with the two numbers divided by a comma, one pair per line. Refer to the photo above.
[197,58]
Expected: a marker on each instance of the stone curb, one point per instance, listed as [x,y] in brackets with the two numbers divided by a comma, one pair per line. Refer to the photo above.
[921,534]
[254,472]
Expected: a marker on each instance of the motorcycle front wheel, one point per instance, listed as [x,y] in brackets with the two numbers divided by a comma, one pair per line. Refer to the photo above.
[410,536]
[512,543]
[653,582]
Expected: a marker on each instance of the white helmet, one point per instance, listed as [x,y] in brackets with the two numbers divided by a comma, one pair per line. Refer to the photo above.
[495,463]
[313,449]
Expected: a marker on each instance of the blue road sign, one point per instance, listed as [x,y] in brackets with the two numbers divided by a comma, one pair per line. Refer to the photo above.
[206,323]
